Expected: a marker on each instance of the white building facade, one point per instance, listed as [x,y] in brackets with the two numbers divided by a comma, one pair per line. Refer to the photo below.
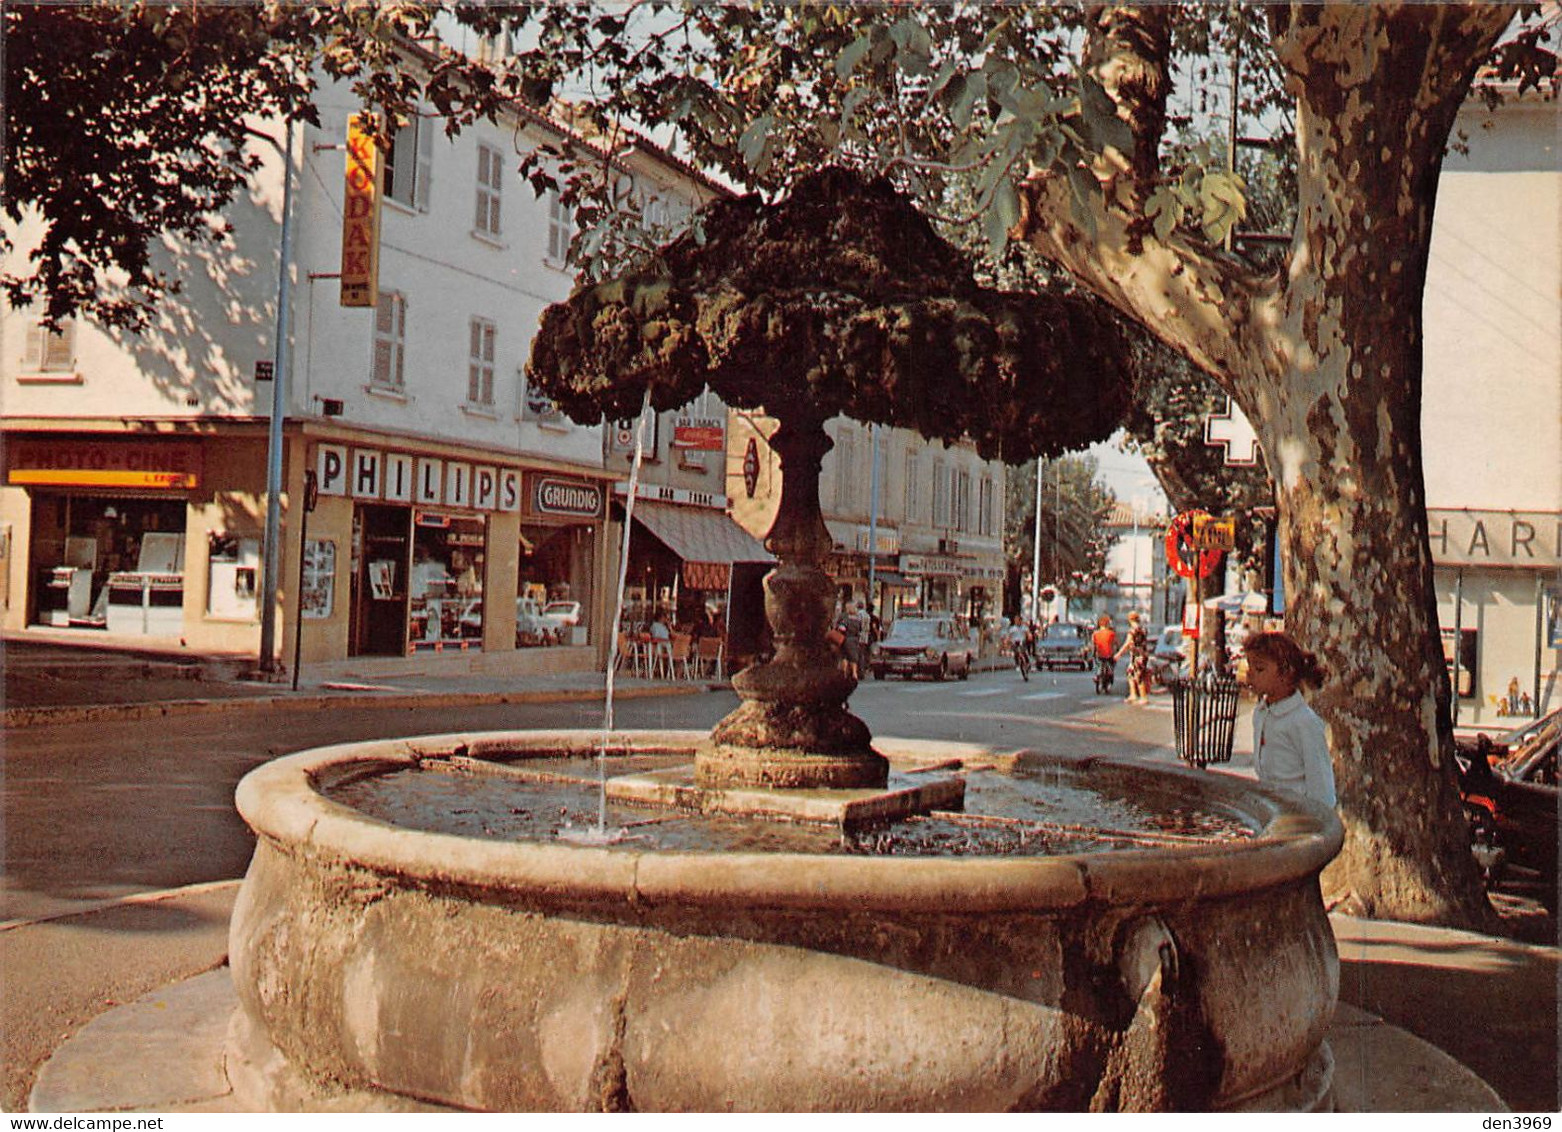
[445,495]
[1492,410]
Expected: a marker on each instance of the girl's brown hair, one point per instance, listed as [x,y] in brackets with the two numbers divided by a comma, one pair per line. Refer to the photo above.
[1283,651]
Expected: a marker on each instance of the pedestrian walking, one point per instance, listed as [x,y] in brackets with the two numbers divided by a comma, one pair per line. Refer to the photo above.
[1104,640]
[1290,743]
[1137,647]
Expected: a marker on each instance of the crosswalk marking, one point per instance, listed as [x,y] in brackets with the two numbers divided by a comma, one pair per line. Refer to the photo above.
[985,692]
[1043,696]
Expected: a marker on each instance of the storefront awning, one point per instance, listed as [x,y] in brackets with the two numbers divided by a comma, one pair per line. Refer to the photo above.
[892,578]
[707,540]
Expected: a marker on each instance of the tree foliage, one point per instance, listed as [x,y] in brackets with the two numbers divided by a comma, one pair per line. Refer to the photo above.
[1075,510]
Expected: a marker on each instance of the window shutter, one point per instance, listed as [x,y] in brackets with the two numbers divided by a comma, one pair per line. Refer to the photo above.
[34,359]
[425,163]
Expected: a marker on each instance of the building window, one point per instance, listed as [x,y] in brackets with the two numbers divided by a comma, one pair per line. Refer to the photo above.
[538,406]
[561,228]
[961,489]
[480,364]
[390,342]
[408,163]
[985,507]
[940,495]
[490,182]
[845,472]
[51,351]
[913,488]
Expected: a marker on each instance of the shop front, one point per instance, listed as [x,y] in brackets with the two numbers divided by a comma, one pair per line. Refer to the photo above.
[440,553]
[1498,576]
[696,566]
[134,536]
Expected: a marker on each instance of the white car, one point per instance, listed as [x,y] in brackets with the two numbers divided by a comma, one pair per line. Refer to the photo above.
[561,616]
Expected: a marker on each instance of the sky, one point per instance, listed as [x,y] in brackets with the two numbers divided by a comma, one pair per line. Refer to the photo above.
[1129,477]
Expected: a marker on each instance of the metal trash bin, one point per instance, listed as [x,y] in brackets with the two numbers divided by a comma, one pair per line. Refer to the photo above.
[1204,709]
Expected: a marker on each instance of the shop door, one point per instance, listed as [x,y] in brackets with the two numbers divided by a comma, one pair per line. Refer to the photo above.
[381,559]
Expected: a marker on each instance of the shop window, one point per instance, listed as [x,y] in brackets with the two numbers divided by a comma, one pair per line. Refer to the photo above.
[232,576]
[445,608]
[480,364]
[490,183]
[552,597]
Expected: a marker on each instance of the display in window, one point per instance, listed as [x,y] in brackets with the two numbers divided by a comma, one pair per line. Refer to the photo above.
[446,597]
[554,573]
[317,589]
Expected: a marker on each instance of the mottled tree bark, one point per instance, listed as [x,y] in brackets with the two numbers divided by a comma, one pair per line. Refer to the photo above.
[1326,362]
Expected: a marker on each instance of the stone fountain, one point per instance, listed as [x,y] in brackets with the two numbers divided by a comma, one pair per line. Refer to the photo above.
[381,962]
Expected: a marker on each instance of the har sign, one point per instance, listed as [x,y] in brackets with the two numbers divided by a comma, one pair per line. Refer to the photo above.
[361,215]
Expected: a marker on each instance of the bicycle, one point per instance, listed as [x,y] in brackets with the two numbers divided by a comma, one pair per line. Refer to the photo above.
[1106,672]
[1022,661]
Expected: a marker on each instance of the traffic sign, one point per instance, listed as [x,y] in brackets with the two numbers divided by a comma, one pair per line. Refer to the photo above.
[1210,533]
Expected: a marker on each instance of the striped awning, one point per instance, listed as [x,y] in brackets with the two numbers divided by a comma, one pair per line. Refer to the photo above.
[707,540]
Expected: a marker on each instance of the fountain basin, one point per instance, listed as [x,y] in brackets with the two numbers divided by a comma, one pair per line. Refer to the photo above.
[387,967]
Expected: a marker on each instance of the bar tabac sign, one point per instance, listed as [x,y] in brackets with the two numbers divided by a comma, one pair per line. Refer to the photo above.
[361,216]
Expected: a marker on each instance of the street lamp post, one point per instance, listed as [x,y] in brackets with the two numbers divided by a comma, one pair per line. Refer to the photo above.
[1035,567]
[271,562]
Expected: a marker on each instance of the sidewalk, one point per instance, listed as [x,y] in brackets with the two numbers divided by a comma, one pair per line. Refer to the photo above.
[1430,1019]
[52,678]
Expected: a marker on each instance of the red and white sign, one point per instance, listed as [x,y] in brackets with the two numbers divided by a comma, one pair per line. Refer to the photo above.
[703,434]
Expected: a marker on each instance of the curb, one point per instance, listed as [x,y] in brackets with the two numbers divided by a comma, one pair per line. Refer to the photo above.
[87,713]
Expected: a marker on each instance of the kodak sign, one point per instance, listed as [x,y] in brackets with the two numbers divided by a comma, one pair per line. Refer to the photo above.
[361,216]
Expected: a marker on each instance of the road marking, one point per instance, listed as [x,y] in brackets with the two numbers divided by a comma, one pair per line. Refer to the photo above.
[985,692]
[1043,696]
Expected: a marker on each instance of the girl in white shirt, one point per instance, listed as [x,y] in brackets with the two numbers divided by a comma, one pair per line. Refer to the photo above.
[1290,744]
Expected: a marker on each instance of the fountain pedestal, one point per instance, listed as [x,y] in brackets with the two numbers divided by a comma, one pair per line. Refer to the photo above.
[792,729]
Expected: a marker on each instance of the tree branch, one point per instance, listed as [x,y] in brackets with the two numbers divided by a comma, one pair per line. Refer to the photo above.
[1206,307]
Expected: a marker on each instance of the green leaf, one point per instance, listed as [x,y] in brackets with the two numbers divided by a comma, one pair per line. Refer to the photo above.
[997,232]
[1006,203]
[1084,188]
[945,73]
[753,142]
[1164,210]
[853,53]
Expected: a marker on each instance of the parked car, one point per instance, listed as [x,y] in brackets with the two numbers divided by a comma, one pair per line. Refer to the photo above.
[1064,644]
[1509,788]
[561,617]
[1167,660]
[924,646]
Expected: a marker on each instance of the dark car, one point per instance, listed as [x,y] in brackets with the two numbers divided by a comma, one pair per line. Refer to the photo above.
[924,646]
[1064,644]
[1509,788]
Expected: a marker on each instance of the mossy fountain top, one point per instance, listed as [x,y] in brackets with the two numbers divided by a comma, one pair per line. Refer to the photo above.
[839,299]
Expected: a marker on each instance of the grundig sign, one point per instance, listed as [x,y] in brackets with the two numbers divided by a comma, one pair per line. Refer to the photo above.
[576,499]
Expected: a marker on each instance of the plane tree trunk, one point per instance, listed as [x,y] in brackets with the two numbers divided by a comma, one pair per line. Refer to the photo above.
[1326,362]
